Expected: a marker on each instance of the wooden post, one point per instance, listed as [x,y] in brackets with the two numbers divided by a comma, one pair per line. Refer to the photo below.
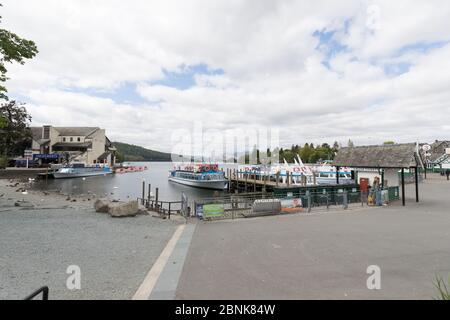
[169,210]
[416,173]
[156,199]
[265,182]
[278,178]
[254,183]
[403,186]
[287,178]
[149,195]
[229,180]
[314,178]
[337,175]
[143,192]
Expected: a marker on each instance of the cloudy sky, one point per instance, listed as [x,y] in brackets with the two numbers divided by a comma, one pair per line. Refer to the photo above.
[316,70]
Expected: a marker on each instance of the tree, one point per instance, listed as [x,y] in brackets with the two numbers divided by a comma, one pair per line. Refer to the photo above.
[15,135]
[2,122]
[335,146]
[350,143]
[13,49]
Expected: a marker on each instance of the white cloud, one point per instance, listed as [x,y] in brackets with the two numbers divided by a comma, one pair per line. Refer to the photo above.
[273,74]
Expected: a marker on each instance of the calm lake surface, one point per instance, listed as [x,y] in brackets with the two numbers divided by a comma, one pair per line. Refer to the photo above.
[128,185]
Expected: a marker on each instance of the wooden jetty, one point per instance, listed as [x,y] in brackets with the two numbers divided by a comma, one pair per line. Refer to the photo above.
[250,182]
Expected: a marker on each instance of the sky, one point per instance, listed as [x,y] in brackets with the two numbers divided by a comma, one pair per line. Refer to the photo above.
[317,71]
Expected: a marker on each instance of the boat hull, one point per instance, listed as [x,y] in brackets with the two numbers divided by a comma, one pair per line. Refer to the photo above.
[208,184]
[60,175]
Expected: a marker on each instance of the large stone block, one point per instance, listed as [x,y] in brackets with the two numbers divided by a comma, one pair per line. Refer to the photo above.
[124,209]
[102,205]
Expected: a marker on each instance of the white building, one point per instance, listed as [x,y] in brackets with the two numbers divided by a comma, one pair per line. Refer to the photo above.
[80,144]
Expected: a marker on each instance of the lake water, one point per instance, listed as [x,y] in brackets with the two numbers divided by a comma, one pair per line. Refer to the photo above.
[128,185]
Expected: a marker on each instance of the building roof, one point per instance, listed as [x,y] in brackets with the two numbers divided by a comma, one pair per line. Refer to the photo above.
[36,133]
[395,156]
[76,131]
[73,144]
[438,150]
[65,131]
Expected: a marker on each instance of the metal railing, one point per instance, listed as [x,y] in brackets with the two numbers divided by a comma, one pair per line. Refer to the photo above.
[251,205]
[162,207]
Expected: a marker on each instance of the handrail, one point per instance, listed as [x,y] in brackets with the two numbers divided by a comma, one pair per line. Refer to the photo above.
[44,291]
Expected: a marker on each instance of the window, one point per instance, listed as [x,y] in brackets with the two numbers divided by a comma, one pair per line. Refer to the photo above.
[71,139]
[78,139]
[64,139]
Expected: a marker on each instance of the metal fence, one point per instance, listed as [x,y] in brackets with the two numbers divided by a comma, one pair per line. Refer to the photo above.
[260,204]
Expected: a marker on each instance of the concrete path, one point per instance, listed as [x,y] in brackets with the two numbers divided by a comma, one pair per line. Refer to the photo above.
[114,255]
[324,256]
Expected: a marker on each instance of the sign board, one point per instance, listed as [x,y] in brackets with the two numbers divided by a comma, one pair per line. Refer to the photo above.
[51,156]
[213,210]
[28,154]
[199,210]
[426,147]
[447,151]
[291,205]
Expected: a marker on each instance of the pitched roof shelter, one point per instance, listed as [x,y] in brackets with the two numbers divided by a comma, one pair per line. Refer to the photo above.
[396,156]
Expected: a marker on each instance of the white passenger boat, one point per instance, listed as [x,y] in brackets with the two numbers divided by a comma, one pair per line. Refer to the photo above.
[80,170]
[206,176]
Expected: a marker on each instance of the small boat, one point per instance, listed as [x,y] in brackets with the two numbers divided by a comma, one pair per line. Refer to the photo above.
[206,176]
[129,169]
[79,170]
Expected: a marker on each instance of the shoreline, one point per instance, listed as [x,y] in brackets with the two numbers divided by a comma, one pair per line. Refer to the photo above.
[15,194]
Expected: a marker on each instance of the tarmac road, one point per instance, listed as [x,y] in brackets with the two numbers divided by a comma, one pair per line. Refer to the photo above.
[324,256]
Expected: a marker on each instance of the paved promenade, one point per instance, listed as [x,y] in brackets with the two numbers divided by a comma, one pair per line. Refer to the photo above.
[325,256]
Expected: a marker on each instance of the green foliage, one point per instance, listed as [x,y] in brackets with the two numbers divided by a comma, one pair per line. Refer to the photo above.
[2,122]
[15,135]
[389,142]
[3,162]
[129,152]
[13,49]
[442,288]
[309,153]
[119,157]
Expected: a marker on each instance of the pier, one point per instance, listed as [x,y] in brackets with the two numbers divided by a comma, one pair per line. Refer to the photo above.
[240,181]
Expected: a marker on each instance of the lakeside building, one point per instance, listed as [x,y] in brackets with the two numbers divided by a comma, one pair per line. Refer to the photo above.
[89,145]
[439,158]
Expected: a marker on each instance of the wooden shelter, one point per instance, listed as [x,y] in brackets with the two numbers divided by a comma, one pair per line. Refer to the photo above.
[396,156]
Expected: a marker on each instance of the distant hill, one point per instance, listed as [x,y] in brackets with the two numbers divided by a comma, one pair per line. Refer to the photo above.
[130,152]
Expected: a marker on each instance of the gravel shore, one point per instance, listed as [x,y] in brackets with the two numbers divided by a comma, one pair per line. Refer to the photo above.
[42,234]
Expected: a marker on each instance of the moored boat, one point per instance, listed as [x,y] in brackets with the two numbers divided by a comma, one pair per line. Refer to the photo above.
[206,176]
[80,170]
